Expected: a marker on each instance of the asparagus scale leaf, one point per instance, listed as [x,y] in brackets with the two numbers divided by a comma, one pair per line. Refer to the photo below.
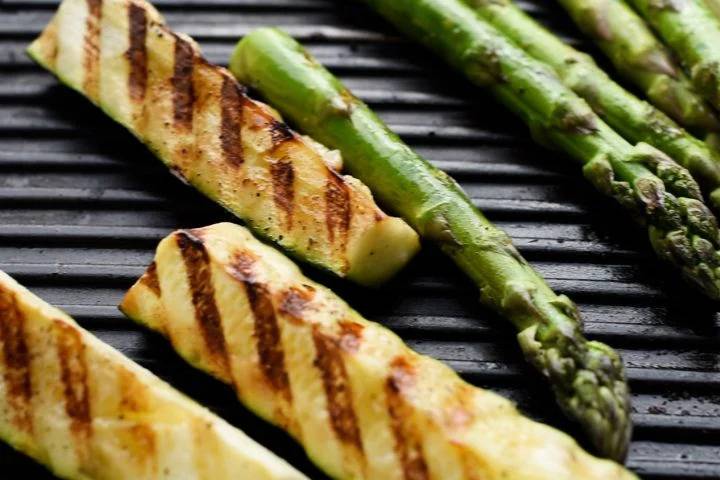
[640,57]
[587,377]
[633,118]
[692,30]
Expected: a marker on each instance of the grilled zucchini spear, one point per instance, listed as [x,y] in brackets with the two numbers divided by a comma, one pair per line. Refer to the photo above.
[198,120]
[85,411]
[361,402]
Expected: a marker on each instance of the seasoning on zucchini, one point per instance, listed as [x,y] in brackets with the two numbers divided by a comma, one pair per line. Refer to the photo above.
[199,121]
[81,408]
[361,402]
[587,377]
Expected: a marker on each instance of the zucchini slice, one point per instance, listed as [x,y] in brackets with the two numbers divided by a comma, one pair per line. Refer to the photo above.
[363,405]
[200,122]
[81,408]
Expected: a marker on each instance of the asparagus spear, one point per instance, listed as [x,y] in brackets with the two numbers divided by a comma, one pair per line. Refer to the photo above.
[691,29]
[633,118]
[640,57]
[587,377]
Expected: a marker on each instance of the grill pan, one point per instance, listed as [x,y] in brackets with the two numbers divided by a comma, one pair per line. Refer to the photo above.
[83,204]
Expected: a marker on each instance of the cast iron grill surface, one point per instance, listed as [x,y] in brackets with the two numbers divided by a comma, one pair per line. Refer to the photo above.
[83,204]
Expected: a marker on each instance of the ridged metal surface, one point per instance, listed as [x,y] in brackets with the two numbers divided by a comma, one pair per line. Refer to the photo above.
[82,206]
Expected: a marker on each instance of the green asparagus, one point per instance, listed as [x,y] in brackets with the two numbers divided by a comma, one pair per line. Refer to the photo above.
[640,57]
[635,119]
[656,190]
[587,377]
[691,29]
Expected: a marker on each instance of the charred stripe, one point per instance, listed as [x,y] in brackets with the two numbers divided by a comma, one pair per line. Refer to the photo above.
[91,48]
[279,132]
[267,329]
[337,215]
[150,279]
[231,106]
[50,44]
[295,300]
[183,91]
[335,379]
[350,336]
[17,359]
[407,440]
[137,52]
[207,316]
[134,396]
[283,179]
[143,446]
[74,376]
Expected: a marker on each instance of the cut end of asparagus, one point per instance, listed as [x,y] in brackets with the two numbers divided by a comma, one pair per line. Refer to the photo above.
[589,383]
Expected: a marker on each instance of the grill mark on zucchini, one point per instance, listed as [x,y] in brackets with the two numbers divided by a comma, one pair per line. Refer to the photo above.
[51,44]
[279,132]
[91,48]
[183,92]
[407,441]
[16,358]
[267,330]
[294,301]
[150,279]
[74,376]
[283,179]
[336,383]
[351,335]
[207,316]
[231,106]
[337,211]
[137,52]
[143,446]
[133,394]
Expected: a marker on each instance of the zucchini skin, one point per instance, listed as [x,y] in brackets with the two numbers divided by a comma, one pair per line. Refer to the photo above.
[197,119]
[82,409]
[363,405]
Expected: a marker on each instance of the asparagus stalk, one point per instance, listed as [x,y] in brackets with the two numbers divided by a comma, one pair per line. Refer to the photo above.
[691,29]
[641,58]
[587,377]
[633,118]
